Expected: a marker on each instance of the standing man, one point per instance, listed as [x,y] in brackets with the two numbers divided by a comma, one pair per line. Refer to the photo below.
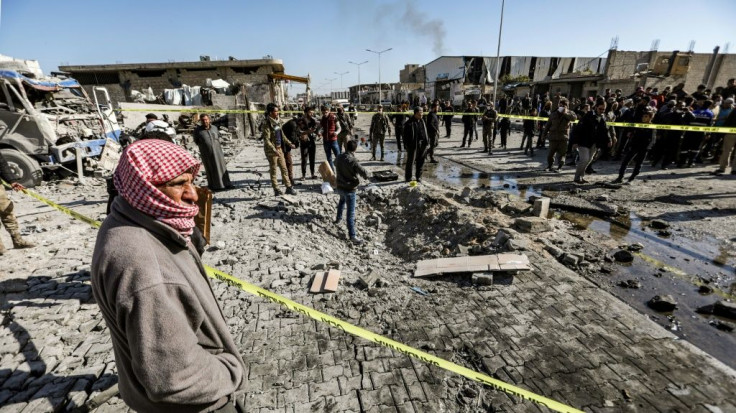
[207,139]
[469,119]
[6,207]
[273,138]
[307,131]
[447,117]
[173,349]
[729,145]
[346,128]
[379,126]
[416,140]
[489,122]
[353,113]
[399,121]
[592,134]
[290,141]
[330,129]
[557,130]
[347,181]
[433,130]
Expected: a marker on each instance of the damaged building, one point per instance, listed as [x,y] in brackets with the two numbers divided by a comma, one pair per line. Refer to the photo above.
[455,77]
[626,70]
[226,84]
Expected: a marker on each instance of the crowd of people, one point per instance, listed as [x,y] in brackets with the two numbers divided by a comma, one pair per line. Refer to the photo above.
[580,132]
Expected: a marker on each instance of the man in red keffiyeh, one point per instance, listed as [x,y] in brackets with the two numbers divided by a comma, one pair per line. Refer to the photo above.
[155,177]
[173,349]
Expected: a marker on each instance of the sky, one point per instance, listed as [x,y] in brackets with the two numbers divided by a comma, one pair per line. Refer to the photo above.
[320,37]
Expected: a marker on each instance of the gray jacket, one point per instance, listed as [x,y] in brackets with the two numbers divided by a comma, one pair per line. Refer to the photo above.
[173,349]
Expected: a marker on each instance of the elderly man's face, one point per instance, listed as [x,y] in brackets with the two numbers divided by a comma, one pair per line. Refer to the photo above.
[180,189]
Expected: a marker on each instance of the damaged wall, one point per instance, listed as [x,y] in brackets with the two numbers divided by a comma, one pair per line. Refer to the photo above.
[121,79]
[621,70]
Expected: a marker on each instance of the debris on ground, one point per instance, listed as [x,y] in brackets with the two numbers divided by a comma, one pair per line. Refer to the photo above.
[473,264]
[662,303]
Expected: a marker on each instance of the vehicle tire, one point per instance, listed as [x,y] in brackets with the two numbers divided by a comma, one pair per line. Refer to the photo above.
[27,169]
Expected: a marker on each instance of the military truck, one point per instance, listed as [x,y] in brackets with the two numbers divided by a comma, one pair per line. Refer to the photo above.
[47,123]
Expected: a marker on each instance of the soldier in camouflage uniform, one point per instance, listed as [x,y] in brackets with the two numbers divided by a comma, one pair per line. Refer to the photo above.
[6,207]
[379,126]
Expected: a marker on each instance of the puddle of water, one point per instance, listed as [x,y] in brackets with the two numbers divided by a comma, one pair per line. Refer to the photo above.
[684,265]
[458,176]
[699,258]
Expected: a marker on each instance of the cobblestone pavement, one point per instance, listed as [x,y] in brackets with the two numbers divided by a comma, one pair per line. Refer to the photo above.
[548,330]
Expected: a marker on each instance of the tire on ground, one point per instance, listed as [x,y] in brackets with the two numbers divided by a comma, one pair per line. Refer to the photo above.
[24,166]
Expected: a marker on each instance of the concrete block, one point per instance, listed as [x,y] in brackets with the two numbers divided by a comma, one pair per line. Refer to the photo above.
[532,225]
[541,207]
[482,278]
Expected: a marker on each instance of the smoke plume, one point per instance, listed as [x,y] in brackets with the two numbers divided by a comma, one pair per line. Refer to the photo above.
[417,22]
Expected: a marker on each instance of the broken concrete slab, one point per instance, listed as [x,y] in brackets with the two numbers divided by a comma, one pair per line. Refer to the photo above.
[541,207]
[478,263]
[533,225]
[576,204]
[513,262]
[367,280]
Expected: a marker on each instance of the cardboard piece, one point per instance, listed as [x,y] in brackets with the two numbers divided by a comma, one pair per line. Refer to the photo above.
[333,276]
[326,173]
[317,283]
[475,264]
[325,282]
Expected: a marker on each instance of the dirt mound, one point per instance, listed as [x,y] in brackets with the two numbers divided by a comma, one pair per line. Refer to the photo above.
[423,223]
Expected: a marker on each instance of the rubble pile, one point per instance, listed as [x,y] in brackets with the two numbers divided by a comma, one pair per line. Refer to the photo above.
[425,224]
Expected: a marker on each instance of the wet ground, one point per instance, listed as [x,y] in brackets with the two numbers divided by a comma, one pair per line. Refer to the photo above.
[677,264]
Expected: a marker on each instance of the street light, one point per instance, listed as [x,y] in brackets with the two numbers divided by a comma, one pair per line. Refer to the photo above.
[380,89]
[330,80]
[358,64]
[341,74]
[498,55]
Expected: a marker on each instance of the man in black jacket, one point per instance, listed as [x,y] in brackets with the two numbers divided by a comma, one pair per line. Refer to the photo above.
[399,119]
[416,140]
[433,129]
[591,134]
[447,118]
[6,207]
[347,170]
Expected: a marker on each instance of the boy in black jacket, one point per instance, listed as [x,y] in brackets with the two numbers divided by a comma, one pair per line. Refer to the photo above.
[347,170]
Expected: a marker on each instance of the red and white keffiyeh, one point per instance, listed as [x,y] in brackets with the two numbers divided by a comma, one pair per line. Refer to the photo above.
[150,162]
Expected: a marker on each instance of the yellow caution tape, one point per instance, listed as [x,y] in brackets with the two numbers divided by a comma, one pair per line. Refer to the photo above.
[350,328]
[715,129]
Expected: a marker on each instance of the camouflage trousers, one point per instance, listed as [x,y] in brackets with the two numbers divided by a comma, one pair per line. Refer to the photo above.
[6,211]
